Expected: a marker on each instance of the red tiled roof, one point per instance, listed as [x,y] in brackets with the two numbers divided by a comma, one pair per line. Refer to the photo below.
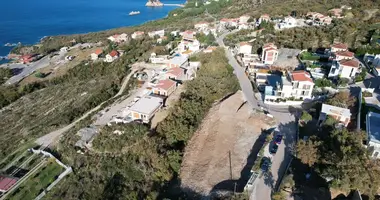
[201,23]
[224,20]
[269,45]
[98,51]
[244,44]
[176,71]
[165,84]
[301,76]
[139,32]
[114,53]
[350,63]
[270,49]
[7,182]
[345,53]
[340,46]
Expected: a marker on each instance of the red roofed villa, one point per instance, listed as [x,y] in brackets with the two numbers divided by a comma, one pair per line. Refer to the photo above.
[342,55]
[175,73]
[165,87]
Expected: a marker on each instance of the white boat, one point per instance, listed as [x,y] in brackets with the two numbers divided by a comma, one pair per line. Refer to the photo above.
[134,13]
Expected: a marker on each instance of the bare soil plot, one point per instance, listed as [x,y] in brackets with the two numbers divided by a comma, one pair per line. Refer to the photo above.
[228,127]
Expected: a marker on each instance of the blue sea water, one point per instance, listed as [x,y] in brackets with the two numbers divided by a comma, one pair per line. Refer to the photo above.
[27,21]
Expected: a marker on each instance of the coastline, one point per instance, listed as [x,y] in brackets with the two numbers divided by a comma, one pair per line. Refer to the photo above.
[149,14]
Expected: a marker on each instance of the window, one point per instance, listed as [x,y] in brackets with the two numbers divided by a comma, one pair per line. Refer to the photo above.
[376,154]
[305,93]
[352,70]
[306,87]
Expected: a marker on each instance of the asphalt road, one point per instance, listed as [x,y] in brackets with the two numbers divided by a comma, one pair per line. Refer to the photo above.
[286,126]
[24,70]
[245,83]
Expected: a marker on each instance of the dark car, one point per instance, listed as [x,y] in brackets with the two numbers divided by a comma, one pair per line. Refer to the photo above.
[273,149]
[266,163]
[278,139]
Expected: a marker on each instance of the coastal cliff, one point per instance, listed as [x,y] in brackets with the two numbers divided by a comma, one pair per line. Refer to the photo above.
[154,3]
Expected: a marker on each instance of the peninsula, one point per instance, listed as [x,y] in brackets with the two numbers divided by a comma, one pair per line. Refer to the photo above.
[154,3]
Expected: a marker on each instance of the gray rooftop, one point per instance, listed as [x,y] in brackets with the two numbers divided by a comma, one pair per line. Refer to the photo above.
[147,105]
[287,58]
[179,60]
[373,127]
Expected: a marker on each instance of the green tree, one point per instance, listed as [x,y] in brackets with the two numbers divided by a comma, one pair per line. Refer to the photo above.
[306,117]
[342,99]
[307,151]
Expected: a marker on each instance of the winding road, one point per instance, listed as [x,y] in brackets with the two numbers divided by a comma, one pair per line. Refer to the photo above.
[265,185]
[52,137]
[245,83]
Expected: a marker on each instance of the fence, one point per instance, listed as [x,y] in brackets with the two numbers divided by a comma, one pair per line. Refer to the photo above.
[67,171]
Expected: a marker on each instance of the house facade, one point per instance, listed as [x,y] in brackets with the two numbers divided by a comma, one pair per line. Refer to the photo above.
[269,53]
[159,33]
[245,48]
[342,115]
[244,18]
[297,85]
[96,54]
[118,38]
[113,55]
[137,35]
[146,108]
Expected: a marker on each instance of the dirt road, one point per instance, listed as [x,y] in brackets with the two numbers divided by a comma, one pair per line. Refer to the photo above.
[229,128]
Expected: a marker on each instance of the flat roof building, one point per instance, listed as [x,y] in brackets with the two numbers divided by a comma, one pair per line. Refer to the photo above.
[342,115]
[145,108]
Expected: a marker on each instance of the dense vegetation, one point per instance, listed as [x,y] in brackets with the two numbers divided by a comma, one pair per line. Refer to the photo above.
[48,105]
[138,164]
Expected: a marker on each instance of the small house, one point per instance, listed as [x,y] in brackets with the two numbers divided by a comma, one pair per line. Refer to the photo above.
[145,108]
[113,55]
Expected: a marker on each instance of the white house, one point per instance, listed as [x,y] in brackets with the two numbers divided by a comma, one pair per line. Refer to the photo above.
[344,69]
[159,33]
[288,22]
[269,53]
[118,38]
[145,108]
[264,17]
[113,55]
[245,48]
[243,26]
[137,35]
[373,132]
[96,54]
[342,115]
[297,84]
[162,59]
[188,46]
[175,33]
[244,18]
[188,35]
[201,25]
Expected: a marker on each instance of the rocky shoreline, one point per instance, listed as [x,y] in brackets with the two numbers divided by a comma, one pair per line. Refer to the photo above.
[154,3]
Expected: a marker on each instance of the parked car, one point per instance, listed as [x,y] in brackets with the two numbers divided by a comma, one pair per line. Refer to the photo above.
[278,139]
[274,148]
[266,163]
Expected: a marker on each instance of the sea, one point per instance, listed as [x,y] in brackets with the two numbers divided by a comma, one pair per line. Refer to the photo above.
[27,21]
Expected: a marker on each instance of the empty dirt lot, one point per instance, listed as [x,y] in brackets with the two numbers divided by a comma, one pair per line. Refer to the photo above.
[225,129]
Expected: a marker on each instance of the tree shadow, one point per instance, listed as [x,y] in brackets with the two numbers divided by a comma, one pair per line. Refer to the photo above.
[239,184]
[17,71]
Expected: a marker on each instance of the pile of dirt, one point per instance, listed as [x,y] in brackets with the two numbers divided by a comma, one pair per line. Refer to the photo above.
[229,128]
